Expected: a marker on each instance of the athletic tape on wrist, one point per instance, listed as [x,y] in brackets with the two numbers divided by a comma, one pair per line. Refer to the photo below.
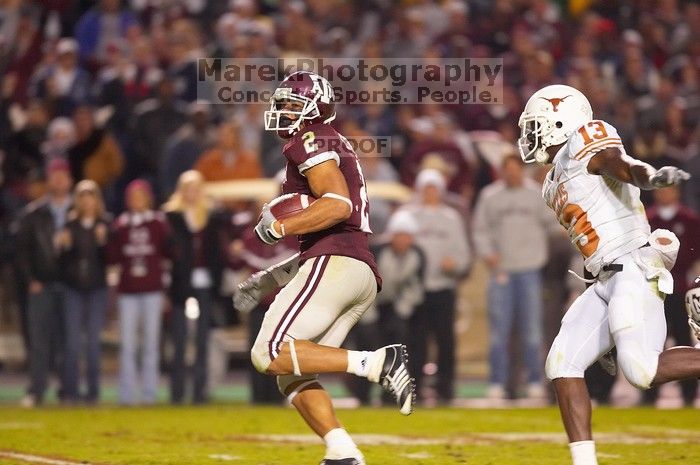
[272,231]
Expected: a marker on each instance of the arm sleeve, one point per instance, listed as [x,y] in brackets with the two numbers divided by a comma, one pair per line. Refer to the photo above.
[312,147]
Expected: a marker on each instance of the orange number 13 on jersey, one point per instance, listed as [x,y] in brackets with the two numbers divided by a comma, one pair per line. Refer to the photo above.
[600,132]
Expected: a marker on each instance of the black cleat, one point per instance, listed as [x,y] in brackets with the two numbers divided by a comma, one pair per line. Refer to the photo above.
[396,379]
[348,461]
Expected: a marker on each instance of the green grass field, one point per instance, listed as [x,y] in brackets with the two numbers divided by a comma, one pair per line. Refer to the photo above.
[241,434]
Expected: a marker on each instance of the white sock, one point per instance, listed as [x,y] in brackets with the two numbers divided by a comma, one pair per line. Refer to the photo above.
[583,453]
[339,445]
[359,362]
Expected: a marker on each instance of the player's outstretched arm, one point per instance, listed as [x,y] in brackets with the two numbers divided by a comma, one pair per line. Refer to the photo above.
[328,185]
[611,162]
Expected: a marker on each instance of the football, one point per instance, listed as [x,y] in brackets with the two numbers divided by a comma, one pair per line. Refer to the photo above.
[288,205]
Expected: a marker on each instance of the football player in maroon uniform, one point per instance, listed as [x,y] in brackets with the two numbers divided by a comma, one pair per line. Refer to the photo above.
[332,281]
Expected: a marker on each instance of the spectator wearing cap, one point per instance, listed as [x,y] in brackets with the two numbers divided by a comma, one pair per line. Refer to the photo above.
[511,228]
[668,212]
[64,84]
[138,250]
[38,262]
[99,27]
[403,264]
[83,245]
[183,149]
[227,160]
[443,239]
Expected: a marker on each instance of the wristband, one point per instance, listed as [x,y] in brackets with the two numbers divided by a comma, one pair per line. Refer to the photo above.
[274,233]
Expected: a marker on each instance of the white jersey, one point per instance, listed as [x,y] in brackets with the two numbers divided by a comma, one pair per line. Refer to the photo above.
[604,218]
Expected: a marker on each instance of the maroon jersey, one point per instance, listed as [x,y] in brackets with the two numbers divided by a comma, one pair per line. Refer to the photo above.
[139,246]
[307,148]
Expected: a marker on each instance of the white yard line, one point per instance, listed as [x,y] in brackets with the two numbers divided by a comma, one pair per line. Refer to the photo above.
[38,459]
[417,455]
[472,439]
[224,457]
[20,425]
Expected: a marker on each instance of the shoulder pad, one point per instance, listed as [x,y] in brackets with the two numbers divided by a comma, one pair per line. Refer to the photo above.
[591,138]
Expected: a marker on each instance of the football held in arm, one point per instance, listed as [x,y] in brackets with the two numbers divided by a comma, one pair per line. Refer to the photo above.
[327,287]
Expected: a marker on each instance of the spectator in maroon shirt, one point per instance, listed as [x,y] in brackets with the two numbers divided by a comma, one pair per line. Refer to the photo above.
[196,276]
[138,250]
[669,213]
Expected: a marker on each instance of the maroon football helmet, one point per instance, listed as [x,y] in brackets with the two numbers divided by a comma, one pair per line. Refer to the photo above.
[302,98]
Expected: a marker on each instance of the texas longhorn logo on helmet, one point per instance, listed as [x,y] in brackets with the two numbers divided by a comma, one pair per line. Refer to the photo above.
[555,101]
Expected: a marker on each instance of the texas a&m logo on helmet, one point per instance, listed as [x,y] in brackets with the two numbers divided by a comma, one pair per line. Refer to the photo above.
[303,98]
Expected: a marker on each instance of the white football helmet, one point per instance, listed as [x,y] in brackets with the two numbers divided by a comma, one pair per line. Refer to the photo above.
[551,115]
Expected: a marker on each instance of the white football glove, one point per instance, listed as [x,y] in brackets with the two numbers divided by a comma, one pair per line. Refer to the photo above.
[264,229]
[249,293]
[668,176]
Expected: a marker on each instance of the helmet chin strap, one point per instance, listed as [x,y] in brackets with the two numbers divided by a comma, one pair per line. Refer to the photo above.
[541,156]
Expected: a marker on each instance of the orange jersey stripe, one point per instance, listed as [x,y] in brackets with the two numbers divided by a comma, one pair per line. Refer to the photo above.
[597,145]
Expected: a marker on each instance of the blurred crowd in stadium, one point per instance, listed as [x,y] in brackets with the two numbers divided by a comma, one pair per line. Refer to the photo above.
[100,125]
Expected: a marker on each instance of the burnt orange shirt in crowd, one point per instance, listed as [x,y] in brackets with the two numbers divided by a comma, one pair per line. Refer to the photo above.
[215,167]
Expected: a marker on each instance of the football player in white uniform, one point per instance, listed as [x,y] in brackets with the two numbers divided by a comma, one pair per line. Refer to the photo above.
[593,188]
